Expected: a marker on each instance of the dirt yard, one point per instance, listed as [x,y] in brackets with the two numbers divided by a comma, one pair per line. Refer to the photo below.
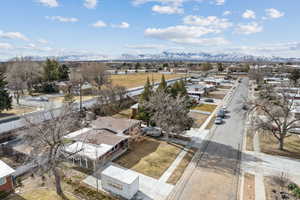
[136,80]
[249,187]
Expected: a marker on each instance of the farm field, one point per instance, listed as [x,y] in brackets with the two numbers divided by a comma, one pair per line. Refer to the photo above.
[136,80]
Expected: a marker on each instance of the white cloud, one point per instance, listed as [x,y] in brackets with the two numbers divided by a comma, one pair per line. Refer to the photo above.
[185,35]
[122,25]
[167,9]
[90,3]
[249,28]
[220,2]
[42,41]
[13,35]
[146,46]
[5,46]
[249,14]
[227,12]
[99,24]
[272,13]
[49,3]
[62,19]
[174,2]
[210,21]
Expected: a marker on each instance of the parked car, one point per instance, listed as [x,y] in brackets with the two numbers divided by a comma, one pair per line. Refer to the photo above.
[245,107]
[152,131]
[221,113]
[218,120]
[209,100]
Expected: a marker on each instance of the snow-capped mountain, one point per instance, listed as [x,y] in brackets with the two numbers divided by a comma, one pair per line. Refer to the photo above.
[170,56]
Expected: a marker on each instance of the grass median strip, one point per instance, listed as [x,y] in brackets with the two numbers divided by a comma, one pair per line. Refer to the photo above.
[178,172]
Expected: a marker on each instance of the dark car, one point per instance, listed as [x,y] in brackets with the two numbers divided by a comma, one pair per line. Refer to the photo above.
[218,120]
[152,131]
[209,100]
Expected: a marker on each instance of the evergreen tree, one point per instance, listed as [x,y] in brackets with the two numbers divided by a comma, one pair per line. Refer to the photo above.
[183,90]
[163,84]
[51,70]
[5,99]
[63,72]
[147,91]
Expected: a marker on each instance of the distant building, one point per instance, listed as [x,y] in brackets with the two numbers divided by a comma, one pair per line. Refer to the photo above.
[6,181]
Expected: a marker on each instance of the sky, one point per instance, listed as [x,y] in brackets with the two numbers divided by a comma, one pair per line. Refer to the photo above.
[115,27]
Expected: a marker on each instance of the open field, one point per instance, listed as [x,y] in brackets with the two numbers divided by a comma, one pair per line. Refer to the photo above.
[16,111]
[199,119]
[249,187]
[269,145]
[136,80]
[150,157]
[205,107]
[176,175]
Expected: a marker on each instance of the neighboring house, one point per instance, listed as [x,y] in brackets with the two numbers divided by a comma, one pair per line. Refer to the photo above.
[6,181]
[212,81]
[120,126]
[196,91]
[90,148]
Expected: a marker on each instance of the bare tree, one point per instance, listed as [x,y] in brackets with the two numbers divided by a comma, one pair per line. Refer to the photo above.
[110,100]
[94,73]
[274,107]
[21,75]
[170,114]
[48,143]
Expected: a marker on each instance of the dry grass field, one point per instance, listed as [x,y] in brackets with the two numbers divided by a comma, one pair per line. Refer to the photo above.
[269,145]
[136,80]
[205,107]
[16,111]
[150,157]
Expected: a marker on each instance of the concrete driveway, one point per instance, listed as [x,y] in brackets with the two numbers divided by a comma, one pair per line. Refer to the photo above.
[215,173]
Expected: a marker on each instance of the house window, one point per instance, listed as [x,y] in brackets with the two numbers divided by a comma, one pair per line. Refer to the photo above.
[2,181]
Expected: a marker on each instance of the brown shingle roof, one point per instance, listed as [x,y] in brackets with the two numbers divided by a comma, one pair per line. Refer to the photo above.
[114,124]
[99,137]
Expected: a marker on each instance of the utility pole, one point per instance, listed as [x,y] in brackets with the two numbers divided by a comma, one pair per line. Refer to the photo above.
[80,96]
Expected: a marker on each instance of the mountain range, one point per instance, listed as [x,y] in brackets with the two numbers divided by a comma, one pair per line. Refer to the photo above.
[171,56]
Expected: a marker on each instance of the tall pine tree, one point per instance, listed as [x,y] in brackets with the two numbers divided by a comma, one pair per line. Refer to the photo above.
[147,91]
[163,84]
[5,99]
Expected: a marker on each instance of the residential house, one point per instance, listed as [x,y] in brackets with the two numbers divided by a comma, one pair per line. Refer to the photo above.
[92,148]
[120,126]
[6,180]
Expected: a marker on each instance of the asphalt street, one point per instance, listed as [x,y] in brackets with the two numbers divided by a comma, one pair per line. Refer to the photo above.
[216,174]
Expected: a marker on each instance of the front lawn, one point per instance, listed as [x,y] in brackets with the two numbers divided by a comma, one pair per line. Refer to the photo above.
[178,172]
[124,114]
[216,95]
[150,157]
[205,107]
[39,194]
[198,118]
[269,145]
